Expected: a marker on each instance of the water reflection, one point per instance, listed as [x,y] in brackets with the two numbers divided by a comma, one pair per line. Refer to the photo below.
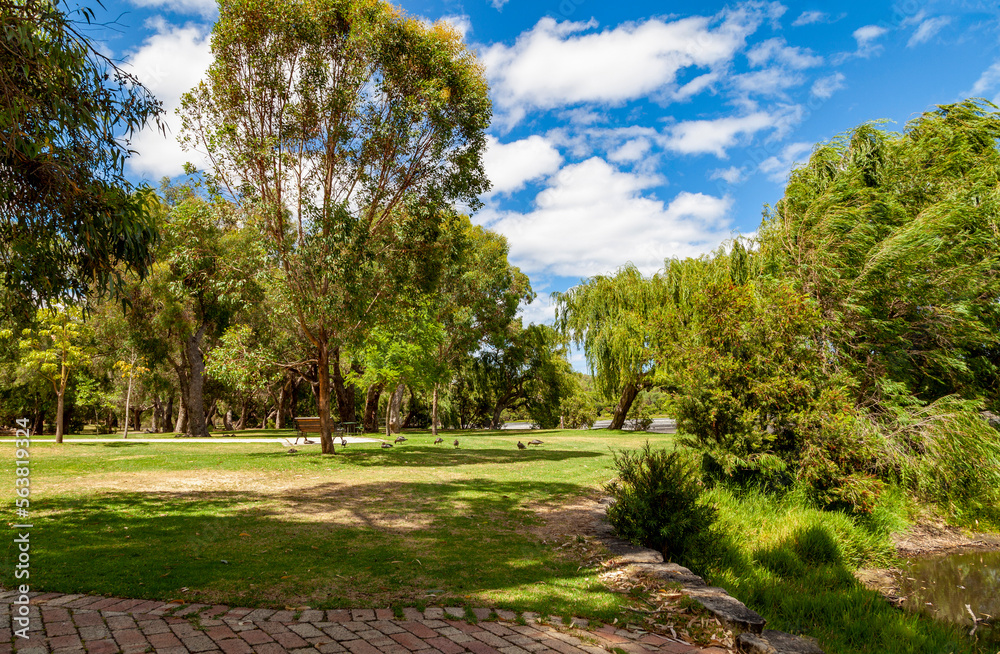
[943,585]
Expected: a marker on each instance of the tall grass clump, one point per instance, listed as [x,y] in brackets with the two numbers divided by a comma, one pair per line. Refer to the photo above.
[658,501]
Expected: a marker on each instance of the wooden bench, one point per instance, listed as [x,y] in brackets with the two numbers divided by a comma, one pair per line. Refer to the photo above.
[310,425]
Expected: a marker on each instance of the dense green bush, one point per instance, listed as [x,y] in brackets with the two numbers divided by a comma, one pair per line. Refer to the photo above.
[657,501]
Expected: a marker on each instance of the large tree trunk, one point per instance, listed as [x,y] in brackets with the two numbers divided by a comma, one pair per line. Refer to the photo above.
[371,407]
[496,420]
[434,412]
[244,415]
[323,399]
[38,423]
[392,422]
[624,404]
[344,391]
[182,419]
[197,425]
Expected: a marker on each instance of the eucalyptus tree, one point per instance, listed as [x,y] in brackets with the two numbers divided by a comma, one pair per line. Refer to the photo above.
[347,128]
[477,296]
[71,224]
[895,237]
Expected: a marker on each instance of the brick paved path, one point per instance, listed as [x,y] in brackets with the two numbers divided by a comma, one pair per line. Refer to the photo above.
[73,624]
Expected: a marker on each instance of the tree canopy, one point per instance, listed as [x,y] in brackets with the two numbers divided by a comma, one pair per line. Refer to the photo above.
[70,222]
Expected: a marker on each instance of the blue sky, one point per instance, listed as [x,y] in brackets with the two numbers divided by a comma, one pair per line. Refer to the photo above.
[634,131]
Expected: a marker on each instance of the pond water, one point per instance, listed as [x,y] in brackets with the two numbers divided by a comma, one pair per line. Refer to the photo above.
[943,585]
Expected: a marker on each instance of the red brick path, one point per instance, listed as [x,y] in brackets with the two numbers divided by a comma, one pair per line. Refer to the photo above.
[74,624]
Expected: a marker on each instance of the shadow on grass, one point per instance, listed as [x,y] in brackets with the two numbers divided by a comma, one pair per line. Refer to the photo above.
[369,455]
[116,444]
[329,545]
[802,586]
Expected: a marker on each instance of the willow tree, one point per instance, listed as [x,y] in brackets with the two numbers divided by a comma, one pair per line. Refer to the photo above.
[346,129]
[895,237]
[612,318]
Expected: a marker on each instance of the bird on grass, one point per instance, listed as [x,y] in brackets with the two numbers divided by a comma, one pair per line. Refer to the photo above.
[386,445]
[456,442]
[343,442]
[534,441]
[292,451]
[521,446]
[439,440]
[400,438]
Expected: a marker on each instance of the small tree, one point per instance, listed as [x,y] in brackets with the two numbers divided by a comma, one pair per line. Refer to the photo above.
[59,343]
[130,370]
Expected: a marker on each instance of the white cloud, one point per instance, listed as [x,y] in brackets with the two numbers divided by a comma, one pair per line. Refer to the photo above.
[866,37]
[810,17]
[542,310]
[825,87]
[510,165]
[779,51]
[498,4]
[715,136]
[777,168]
[927,29]
[770,81]
[731,175]
[631,150]
[987,83]
[593,218]
[169,63]
[556,64]
[205,8]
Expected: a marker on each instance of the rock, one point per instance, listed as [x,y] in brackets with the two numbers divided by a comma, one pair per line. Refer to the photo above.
[729,610]
[991,418]
[776,642]
[630,553]
[670,573]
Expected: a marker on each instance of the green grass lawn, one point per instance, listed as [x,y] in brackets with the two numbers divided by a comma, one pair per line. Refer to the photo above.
[250,524]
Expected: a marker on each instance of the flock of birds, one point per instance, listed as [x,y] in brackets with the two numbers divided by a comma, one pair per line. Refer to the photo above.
[438,441]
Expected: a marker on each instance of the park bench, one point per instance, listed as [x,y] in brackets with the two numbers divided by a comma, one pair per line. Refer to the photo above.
[310,425]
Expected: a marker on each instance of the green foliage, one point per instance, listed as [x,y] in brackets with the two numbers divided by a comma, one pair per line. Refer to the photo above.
[70,223]
[947,453]
[657,501]
[578,406]
[894,237]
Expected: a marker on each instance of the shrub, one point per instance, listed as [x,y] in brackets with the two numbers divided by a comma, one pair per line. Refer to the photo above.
[657,501]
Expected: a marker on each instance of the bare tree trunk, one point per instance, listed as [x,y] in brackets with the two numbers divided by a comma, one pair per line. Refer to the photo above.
[495,422]
[244,414]
[371,407]
[393,423]
[227,420]
[344,391]
[182,419]
[434,412]
[323,400]
[624,404]
[168,413]
[60,406]
[197,425]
